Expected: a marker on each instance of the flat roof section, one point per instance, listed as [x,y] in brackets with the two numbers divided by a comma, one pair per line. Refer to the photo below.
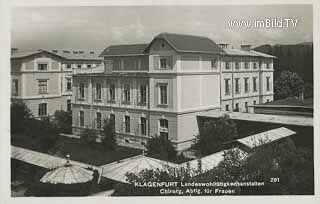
[279,119]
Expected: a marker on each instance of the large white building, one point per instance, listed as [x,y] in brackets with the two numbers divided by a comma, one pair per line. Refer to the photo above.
[43,79]
[159,88]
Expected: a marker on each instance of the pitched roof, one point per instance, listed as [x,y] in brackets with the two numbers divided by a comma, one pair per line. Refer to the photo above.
[85,55]
[238,52]
[121,50]
[266,137]
[190,43]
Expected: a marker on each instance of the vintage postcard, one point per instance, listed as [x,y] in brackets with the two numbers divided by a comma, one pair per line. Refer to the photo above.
[164,99]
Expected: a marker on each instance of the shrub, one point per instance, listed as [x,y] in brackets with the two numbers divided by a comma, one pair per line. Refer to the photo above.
[63,121]
[108,135]
[88,136]
[161,148]
[20,113]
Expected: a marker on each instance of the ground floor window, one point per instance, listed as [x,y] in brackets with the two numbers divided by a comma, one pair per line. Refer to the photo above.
[69,105]
[112,119]
[98,120]
[246,106]
[127,123]
[143,125]
[227,107]
[163,128]
[81,119]
[42,109]
[237,107]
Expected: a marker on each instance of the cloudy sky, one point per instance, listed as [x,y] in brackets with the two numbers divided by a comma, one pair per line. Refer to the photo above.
[98,27]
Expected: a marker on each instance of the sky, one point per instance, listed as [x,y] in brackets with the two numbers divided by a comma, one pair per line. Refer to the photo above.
[98,27]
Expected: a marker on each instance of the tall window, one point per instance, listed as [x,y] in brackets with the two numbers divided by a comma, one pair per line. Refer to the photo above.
[143,125]
[98,91]
[268,83]
[254,84]
[237,107]
[163,128]
[255,65]
[228,65]
[43,86]
[246,65]
[15,85]
[227,86]
[112,119]
[98,119]
[81,91]
[42,66]
[246,106]
[237,84]
[79,66]
[163,63]
[68,66]
[69,84]
[214,63]
[112,92]
[227,107]
[254,102]
[246,85]
[69,105]
[126,93]
[237,65]
[143,94]
[163,92]
[127,123]
[42,111]
[268,65]
[81,118]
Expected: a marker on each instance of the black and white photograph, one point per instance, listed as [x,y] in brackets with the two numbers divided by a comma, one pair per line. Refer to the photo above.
[162,100]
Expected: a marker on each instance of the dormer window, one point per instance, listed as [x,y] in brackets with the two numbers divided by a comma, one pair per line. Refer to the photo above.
[42,66]
[163,63]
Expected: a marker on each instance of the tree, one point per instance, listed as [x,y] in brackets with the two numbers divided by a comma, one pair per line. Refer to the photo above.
[288,84]
[20,113]
[88,136]
[214,133]
[63,121]
[161,147]
[108,135]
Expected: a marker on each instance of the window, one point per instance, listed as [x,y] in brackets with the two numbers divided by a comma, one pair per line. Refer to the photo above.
[81,91]
[237,65]
[246,65]
[254,102]
[237,107]
[163,63]
[143,125]
[98,120]
[42,66]
[126,93]
[143,94]
[112,119]
[43,86]
[163,128]
[68,66]
[268,100]
[81,119]
[15,84]
[88,65]
[268,83]
[227,107]
[127,123]
[163,94]
[42,109]
[237,85]
[268,65]
[227,86]
[98,91]
[69,84]
[246,85]
[214,63]
[112,91]
[69,105]
[79,66]
[254,65]
[228,65]
[246,106]
[254,84]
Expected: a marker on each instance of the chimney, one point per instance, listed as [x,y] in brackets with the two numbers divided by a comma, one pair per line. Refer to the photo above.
[14,50]
[245,47]
[223,45]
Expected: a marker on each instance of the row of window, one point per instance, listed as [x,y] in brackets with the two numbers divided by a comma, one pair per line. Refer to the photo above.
[44,66]
[163,123]
[237,109]
[246,85]
[43,108]
[126,93]
[246,65]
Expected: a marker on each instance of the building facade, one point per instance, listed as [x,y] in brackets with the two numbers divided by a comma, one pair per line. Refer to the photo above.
[43,79]
[154,89]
